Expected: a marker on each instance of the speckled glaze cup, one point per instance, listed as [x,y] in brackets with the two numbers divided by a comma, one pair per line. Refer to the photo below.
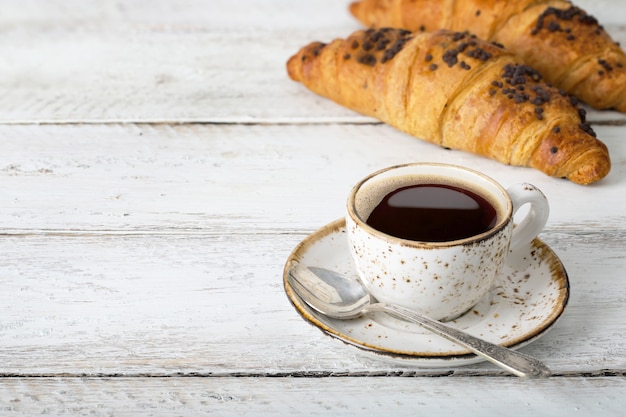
[439,279]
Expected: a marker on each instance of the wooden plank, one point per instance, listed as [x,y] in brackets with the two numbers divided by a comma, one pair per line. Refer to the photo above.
[201,63]
[73,62]
[213,304]
[220,14]
[233,178]
[311,396]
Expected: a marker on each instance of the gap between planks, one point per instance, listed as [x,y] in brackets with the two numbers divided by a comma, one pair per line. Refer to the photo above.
[618,122]
[599,373]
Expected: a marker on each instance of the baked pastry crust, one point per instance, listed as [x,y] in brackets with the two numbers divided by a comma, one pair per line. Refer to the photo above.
[457,91]
[564,43]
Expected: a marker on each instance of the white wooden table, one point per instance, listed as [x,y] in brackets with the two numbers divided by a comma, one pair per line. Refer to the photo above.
[157,167]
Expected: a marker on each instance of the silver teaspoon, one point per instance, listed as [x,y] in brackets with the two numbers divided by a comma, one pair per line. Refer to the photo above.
[339,297]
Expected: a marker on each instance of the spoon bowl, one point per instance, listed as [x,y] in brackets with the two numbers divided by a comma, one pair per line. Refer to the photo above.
[341,297]
[328,292]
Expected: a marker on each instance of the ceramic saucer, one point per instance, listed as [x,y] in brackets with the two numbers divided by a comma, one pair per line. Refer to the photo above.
[526,301]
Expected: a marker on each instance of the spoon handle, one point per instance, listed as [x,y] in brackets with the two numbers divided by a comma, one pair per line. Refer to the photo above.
[515,362]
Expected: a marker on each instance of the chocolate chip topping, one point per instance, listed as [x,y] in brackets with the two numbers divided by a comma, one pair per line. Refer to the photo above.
[457,36]
[462,46]
[387,41]
[315,49]
[605,65]
[376,36]
[318,48]
[521,98]
[564,16]
[450,57]
[382,44]
[467,45]
[521,84]
[557,20]
[554,27]
[518,74]
[586,127]
[479,54]
[367,59]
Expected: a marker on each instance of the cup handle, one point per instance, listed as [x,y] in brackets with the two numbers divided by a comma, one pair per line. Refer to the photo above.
[535,219]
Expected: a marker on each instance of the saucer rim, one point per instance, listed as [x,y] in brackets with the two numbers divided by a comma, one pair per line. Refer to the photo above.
[557,272]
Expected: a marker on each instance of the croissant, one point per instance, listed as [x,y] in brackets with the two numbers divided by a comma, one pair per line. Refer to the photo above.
[565,44]
[457,91]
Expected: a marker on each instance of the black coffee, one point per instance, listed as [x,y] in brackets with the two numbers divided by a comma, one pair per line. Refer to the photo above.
[433,213]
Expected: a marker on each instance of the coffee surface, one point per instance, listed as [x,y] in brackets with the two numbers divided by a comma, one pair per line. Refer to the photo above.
[433,213]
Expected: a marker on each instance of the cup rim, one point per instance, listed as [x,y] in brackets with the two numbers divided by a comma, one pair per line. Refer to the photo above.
[502,223]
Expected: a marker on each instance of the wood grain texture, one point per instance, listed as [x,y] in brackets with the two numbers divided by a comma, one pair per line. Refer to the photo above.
[73,62]
[310,396]
[143,305]
[234,178]
[140,263]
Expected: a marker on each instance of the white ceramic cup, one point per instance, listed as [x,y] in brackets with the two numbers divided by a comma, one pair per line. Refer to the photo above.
[439,279]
